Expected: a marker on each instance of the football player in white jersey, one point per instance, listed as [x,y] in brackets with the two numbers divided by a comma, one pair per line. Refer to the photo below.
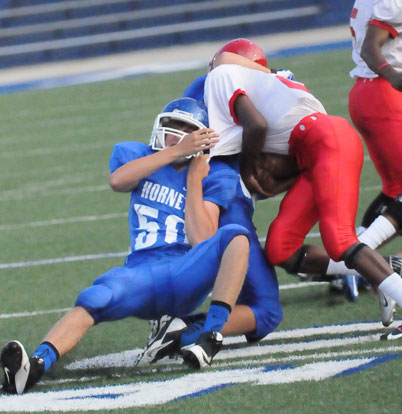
[256,112]
[178,253]
[375,104]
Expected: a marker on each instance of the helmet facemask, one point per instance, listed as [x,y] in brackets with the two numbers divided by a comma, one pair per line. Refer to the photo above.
[177,123]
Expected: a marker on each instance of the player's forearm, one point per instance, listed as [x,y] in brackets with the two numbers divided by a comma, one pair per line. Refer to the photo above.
[198,223]
[127,177]
[371,53]
[277,186]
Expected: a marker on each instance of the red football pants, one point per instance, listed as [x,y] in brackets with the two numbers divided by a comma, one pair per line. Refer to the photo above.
[376,110]
[329,153]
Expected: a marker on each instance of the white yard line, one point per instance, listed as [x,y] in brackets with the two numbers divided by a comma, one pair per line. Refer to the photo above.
[47,193]
[128,358]
[62,260]
[69,220]
[30,314]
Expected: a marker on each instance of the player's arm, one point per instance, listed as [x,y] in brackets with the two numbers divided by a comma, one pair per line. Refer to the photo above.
[201,217]
[127,177]
[276,173]
[226,58]
[371,53]
[254,132]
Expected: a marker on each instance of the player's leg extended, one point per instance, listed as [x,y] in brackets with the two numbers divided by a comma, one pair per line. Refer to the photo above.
[68,331]
[24,372]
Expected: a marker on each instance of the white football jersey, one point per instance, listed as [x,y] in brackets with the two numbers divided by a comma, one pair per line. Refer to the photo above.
[282,102]
[386,14]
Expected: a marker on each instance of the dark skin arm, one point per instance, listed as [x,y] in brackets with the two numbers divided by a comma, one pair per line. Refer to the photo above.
[371,53]
[276,173]
[263,174]
[254,131]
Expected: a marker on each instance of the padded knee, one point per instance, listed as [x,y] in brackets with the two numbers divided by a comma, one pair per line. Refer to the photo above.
[394,209]
[351,254]
[228,232]
[94,298]
[267,317]
[375,209]
[293,264]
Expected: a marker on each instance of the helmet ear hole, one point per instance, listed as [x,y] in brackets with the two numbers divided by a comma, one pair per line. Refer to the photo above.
[165,121]
[246,48]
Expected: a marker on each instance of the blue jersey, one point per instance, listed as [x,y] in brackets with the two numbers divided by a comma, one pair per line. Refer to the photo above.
[156,214]
[196,89]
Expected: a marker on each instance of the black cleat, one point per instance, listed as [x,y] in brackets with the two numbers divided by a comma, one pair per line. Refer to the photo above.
[163,340]
[20,372]
[200,354]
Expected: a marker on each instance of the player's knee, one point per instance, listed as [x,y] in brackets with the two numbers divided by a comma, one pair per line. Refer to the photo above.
[268,316]
[394,209]
[94,298]
[294,263]
[229,232]
[351,254]
[281,244]
[376,208]
[270,319]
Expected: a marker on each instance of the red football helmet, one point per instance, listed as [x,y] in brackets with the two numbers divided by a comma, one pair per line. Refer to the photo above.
[246,48]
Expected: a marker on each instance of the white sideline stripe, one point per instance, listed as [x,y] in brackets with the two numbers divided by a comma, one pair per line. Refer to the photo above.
[301,285]
[62,260]
[128,358]
[319,330]
[259,350]
[247,362]
[150,393]
[46,193]
[314,356]
[53,222]
[27,314]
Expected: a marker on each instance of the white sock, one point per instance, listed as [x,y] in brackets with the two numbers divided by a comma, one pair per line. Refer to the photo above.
[339,268]
[380,230]
[392,286]
[360,230]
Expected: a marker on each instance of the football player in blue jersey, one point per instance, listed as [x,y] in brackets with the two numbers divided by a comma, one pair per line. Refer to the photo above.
[178,253]
[258,311]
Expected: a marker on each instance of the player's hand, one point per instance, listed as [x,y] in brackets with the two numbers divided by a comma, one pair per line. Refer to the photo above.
[396,81]
[200,140]
[249,173]
[199,167]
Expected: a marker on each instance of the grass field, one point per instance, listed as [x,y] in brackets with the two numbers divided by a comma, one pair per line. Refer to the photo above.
[61,226]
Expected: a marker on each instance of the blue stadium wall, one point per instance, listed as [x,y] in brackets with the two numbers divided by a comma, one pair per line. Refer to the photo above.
[41,35]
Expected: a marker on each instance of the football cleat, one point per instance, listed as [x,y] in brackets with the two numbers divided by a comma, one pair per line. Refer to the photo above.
[387,306]
[20,372]
[394,334]
[200,354]
[396,263]
[163,340]
[351,287]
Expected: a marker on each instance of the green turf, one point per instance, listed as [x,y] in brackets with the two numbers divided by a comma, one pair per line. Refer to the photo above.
[54,165]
